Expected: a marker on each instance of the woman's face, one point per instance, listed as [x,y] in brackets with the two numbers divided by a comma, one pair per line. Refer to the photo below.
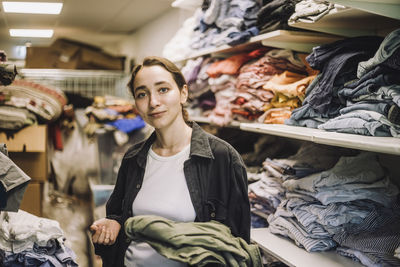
[157,96]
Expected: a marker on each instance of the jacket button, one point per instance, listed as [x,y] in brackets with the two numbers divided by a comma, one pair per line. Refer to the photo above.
[130,213]
[138,186]
[127,240]
[212,214]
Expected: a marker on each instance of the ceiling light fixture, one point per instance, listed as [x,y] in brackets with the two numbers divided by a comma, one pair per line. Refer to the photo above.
[31,33]
[32,7]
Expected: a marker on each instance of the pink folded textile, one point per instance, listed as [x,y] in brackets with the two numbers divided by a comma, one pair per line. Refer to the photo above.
[231,65]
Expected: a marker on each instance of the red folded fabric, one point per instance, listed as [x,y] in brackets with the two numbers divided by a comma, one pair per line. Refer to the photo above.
[231,65]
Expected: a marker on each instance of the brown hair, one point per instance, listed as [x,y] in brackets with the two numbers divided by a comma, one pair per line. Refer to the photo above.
[168,66]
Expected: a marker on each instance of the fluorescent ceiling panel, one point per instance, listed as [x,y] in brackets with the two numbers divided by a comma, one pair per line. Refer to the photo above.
[32,7]
[31,33]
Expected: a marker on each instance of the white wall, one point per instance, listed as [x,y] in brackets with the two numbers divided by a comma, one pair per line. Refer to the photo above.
[150,39]
[13,52]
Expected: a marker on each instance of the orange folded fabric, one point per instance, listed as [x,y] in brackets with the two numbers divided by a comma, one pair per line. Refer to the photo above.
[231,65]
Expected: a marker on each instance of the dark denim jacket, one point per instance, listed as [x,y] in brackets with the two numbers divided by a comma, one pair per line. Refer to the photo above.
[217,182]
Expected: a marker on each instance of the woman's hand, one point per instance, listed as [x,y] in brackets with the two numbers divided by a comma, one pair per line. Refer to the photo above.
[105,231]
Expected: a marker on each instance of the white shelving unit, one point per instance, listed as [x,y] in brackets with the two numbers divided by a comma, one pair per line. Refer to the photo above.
[364,17]
[89,83]
[388,145]
[351,22]
[286,251]
[260,213]
[300,41]
[233,124]
[297,40]
[387,8]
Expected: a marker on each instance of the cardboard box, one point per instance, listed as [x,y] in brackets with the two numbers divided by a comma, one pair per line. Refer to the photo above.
[28,150]
[34,164]
[29,139]
[41,57]
[69,54]
[32,201]
[94,60]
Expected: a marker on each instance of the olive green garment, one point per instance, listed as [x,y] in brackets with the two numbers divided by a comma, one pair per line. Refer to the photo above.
[195,243]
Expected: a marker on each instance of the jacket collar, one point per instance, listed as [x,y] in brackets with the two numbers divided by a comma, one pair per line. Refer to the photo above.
[199,146]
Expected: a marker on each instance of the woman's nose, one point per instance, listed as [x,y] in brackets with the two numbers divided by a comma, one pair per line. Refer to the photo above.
[154,101]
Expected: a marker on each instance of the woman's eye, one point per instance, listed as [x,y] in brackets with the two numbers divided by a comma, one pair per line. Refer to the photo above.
[140,95]
[164,89]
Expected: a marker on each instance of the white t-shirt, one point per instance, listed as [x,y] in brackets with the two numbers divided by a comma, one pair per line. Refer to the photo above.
[164,192]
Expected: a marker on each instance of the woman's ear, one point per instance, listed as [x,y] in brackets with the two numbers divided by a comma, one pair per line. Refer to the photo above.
[184,94]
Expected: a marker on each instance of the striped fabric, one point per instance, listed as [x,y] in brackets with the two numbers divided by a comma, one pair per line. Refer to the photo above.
[12,118]
[333,216]
[313,237]
[353,178]
[370,259]
[47,103]
[291,228]
[377,237]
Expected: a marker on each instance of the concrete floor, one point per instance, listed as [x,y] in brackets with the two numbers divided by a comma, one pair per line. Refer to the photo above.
[74,215]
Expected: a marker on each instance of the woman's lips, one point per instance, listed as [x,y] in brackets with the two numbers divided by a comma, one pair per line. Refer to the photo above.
[157,114]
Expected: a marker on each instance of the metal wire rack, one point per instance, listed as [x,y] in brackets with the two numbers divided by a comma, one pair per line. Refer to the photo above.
[88,83]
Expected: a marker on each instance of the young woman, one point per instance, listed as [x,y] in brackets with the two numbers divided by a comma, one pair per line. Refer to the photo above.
[180,172]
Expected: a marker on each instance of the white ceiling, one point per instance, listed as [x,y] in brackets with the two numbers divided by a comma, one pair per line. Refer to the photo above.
[100,22]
